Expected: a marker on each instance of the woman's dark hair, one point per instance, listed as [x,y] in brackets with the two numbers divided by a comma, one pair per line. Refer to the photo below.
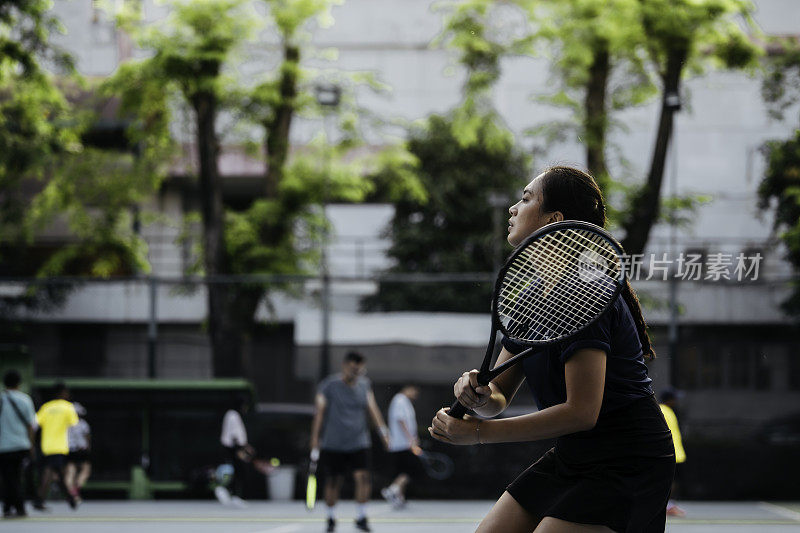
[576,194]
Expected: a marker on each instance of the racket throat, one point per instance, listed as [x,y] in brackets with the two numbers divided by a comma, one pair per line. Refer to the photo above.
[484,374]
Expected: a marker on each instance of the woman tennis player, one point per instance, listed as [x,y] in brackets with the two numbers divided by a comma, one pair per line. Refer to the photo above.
[613,461]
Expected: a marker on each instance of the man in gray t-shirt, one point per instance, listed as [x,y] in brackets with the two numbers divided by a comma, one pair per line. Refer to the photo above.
[343,402]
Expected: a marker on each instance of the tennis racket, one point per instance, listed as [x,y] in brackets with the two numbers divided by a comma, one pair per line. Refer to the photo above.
[437,465]
[311,486]
[555,284]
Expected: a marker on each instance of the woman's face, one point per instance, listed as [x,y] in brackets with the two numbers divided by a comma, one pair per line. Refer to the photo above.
[527,215]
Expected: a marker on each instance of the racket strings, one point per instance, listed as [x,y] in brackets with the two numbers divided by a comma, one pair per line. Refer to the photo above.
[547,321]
[560,314]
[554,319]
[526,315]
[523,259]
[558,294]
[557,285]
[518,277]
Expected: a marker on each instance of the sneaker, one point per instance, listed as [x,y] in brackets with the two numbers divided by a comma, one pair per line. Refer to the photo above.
[390,496]
[222,495]
[40,506]
[331,525]
[400,504]
[238,502]
[362,524]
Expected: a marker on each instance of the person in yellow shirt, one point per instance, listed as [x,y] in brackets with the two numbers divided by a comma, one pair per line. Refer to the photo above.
[669,401]
[55,418]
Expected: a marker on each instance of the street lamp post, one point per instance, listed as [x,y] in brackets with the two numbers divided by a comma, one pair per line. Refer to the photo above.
[673,102]
[328,97]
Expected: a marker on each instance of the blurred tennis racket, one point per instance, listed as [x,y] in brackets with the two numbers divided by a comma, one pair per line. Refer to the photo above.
[437,465]
[311,486]
[554,285]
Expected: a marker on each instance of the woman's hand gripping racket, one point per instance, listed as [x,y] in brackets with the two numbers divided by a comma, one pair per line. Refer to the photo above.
[554,285]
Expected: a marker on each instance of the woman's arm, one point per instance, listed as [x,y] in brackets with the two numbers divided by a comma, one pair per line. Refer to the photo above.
[585,381]
[491,400]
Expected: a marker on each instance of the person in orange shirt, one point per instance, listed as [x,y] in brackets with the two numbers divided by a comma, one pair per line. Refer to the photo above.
[55,418]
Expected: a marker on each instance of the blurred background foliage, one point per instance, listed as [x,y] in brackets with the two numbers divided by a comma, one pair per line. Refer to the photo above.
[58,165]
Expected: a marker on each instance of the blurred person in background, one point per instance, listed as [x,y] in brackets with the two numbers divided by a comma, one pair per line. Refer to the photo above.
[238,451]
[79,466]
[340,438]
[668,404]
[403,445]
[55,418]
[17,423]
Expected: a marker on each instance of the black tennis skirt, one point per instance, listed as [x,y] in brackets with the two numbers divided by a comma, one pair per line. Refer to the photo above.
[618,474]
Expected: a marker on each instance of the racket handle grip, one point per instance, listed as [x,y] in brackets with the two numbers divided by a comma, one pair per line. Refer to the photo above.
[457,410]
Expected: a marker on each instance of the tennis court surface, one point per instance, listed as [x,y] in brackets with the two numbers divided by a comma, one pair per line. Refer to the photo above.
[419,517]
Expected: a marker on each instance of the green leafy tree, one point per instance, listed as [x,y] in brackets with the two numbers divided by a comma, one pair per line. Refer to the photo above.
[465,157]
[608,56]
[590,43]
[278,231]
[191,47]
[50,175]
[469,32]
[683,38]
[452,231]
[780,186]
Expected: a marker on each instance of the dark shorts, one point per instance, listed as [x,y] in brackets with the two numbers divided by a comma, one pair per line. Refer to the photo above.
[340,463]
[56,461]
[405,462]
[79,456]
[589,478]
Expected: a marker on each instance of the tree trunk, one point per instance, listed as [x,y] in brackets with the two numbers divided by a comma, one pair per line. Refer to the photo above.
[596,125]
[645,206]
[277,130]
[240,303]
[226,353]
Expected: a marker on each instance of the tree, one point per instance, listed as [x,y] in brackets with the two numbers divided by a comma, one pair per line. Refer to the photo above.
[599,68]
[49,173]
[451,232]
[684,37]
[465,157]
[468,31]
[780,186]
[32,108]
[193,51]
[191,47]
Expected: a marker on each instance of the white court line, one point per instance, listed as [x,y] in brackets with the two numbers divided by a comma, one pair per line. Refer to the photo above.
[288,528]
[783,511]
